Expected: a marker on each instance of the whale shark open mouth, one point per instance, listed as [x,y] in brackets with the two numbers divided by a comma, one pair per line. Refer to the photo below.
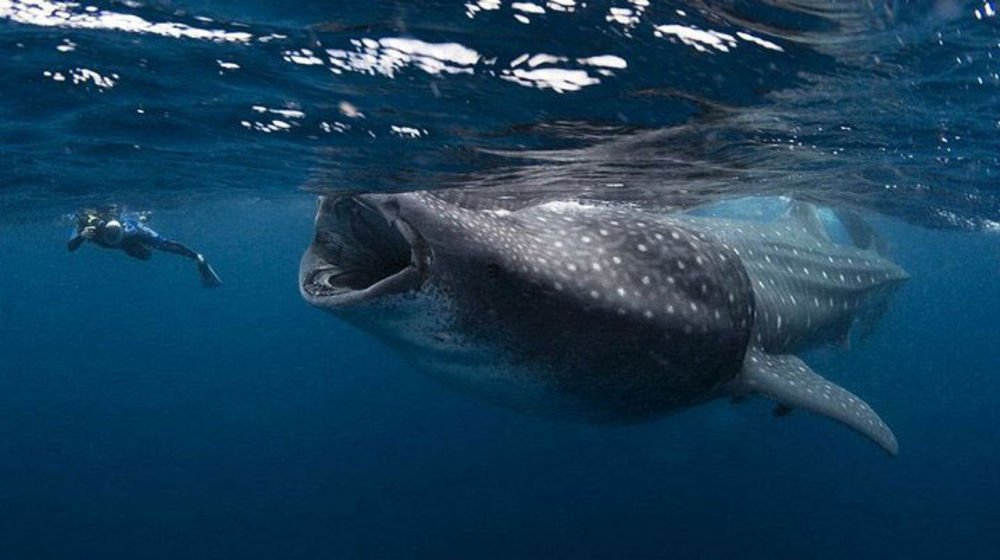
[359,254]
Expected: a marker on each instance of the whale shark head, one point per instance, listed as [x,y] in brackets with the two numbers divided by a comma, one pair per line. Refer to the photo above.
[628,313]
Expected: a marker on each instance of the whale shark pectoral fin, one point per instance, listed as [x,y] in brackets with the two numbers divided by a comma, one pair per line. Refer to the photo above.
[789,381]
[805,216]
[844,340]
[862,234]
[869,320]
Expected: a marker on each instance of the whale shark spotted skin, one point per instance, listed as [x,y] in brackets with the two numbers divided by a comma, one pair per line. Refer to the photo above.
[599,312]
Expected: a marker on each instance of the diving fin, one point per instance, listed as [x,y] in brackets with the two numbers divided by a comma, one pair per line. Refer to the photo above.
[789,381]
[209,279]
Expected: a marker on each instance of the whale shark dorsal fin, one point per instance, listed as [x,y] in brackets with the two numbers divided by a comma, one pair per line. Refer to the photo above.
[789,381]
[807,217]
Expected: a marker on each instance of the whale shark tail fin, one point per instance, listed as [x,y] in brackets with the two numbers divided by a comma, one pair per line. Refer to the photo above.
[805,216]
[789,381]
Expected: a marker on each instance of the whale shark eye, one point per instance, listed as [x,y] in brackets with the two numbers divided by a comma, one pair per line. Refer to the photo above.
[493,270]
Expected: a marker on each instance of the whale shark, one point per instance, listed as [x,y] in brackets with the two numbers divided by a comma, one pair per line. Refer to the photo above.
[601,312]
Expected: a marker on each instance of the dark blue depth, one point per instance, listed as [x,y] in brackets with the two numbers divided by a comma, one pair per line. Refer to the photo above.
[147,416]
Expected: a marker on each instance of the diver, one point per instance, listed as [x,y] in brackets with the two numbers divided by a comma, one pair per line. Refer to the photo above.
[128,231]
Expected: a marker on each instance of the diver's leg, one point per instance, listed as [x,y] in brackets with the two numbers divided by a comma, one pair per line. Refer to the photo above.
[209,278]
[177,249]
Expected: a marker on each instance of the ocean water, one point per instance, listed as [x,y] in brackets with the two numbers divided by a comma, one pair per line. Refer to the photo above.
[146,417]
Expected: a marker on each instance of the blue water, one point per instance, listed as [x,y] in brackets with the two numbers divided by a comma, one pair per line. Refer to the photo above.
[144,416]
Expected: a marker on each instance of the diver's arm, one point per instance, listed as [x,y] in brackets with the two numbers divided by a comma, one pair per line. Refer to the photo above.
[79,237]
[74,242]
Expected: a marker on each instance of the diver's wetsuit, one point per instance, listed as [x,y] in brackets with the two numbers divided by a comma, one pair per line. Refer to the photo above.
[138,240]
